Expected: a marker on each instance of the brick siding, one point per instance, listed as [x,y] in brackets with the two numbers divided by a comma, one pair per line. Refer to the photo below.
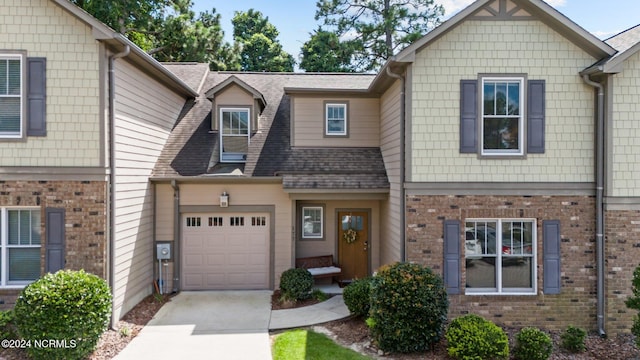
[85,221]
[576,305]
[622,256]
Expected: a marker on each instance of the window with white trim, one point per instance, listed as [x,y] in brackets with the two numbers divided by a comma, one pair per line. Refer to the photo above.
[234,134]
[312,222]
[502,128]
[11,95]
[335,119]
[500,256]
[20,242]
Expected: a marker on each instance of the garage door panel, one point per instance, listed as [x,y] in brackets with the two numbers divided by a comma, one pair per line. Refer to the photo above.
[225,252]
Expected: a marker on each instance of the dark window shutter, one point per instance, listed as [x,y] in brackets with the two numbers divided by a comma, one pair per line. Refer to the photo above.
[468,116]
[551,256]
[535,120]
[452,256]
[54,246]
[36,96]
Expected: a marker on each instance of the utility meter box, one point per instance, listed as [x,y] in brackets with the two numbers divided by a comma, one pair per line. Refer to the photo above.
[163,251]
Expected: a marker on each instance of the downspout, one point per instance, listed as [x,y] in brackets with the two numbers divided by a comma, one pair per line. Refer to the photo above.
[176,235]
[111,218]
[403,236]
[600,256]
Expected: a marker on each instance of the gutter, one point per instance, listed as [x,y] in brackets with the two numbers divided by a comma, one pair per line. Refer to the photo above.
[600,256]
[176,236]
[403,233]
[111,188]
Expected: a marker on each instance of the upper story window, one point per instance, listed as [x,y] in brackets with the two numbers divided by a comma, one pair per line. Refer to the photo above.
[336,119]
[502,116]
[500,256]
[11,96]
[234,134]
[20,239]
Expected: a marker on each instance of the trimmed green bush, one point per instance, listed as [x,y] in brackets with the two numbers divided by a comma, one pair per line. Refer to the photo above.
[471,337]
[573,339]
[357,296]
[66,311]
[296,284]
[532,344]
[633,302]
[7,325]
[408,308]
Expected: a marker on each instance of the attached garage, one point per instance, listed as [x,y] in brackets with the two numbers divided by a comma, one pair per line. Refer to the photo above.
[224,251]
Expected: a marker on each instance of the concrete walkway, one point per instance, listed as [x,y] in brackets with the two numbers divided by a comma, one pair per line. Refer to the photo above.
[222,325]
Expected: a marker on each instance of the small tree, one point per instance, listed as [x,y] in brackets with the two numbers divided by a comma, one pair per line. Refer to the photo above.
[634,303]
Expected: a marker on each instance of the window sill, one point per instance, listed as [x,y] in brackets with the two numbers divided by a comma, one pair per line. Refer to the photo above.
[487,293]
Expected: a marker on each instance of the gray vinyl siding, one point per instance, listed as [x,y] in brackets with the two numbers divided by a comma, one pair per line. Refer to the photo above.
[391,212]
[145,113]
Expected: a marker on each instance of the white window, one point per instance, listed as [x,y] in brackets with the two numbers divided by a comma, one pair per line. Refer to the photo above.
[312,222]
[500,256]
[336,119]
[11,96]
[234,134]
[502,116]
[19,246]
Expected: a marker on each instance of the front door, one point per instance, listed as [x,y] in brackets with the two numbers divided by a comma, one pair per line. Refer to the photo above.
[353,244]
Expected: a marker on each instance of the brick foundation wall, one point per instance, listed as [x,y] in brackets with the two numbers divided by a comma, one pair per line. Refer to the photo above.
[85,221]
[576,305]
[622,256]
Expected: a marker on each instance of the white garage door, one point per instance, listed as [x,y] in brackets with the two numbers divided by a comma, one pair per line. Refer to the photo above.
[225,251]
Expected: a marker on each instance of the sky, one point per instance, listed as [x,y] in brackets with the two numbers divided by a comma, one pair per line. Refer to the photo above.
[294,19]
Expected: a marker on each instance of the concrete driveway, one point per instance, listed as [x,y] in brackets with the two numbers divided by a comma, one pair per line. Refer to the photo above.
[207,325]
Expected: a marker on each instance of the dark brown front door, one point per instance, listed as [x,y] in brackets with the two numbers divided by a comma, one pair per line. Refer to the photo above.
[353,244]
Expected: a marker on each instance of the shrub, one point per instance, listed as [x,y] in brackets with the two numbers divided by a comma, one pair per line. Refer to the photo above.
[633,302]
[408,308]
[7,325]
[573,338]
[357,296]
[471,337]
[296,284]
[532,344]
[71,308]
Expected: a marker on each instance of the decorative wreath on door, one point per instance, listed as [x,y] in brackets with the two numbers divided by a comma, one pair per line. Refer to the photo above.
[350,235]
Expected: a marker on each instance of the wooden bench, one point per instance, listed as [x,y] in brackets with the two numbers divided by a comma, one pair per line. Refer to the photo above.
[319,266]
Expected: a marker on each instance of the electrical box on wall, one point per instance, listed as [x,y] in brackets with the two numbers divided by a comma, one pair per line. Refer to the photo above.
[163,251]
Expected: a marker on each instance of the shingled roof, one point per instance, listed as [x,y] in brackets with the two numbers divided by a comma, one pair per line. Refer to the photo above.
[192,150]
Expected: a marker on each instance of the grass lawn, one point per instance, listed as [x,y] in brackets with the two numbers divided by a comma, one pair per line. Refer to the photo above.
[308,345]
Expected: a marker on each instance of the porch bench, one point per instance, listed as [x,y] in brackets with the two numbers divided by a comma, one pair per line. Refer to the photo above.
[319,266]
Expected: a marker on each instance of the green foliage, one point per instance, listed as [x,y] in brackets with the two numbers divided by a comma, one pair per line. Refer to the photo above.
[633,302]
[573,339]
[7,325]
[168,30]
[408,308]
[471,337]
[72,307]
[259,48]
[296,284]
[532,344]
[324,52]
[380,28]
[319,295]
[357,296]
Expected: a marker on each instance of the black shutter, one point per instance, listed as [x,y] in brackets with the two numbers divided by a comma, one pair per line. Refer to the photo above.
[36,96]
[468,116]
[535,120]
[452,256]
[54,246]
[551,256]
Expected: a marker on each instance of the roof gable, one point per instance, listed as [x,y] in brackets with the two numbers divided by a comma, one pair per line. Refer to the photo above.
[234,80]
[513,10]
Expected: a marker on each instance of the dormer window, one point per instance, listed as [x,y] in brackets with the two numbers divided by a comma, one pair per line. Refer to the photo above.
[234,134]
